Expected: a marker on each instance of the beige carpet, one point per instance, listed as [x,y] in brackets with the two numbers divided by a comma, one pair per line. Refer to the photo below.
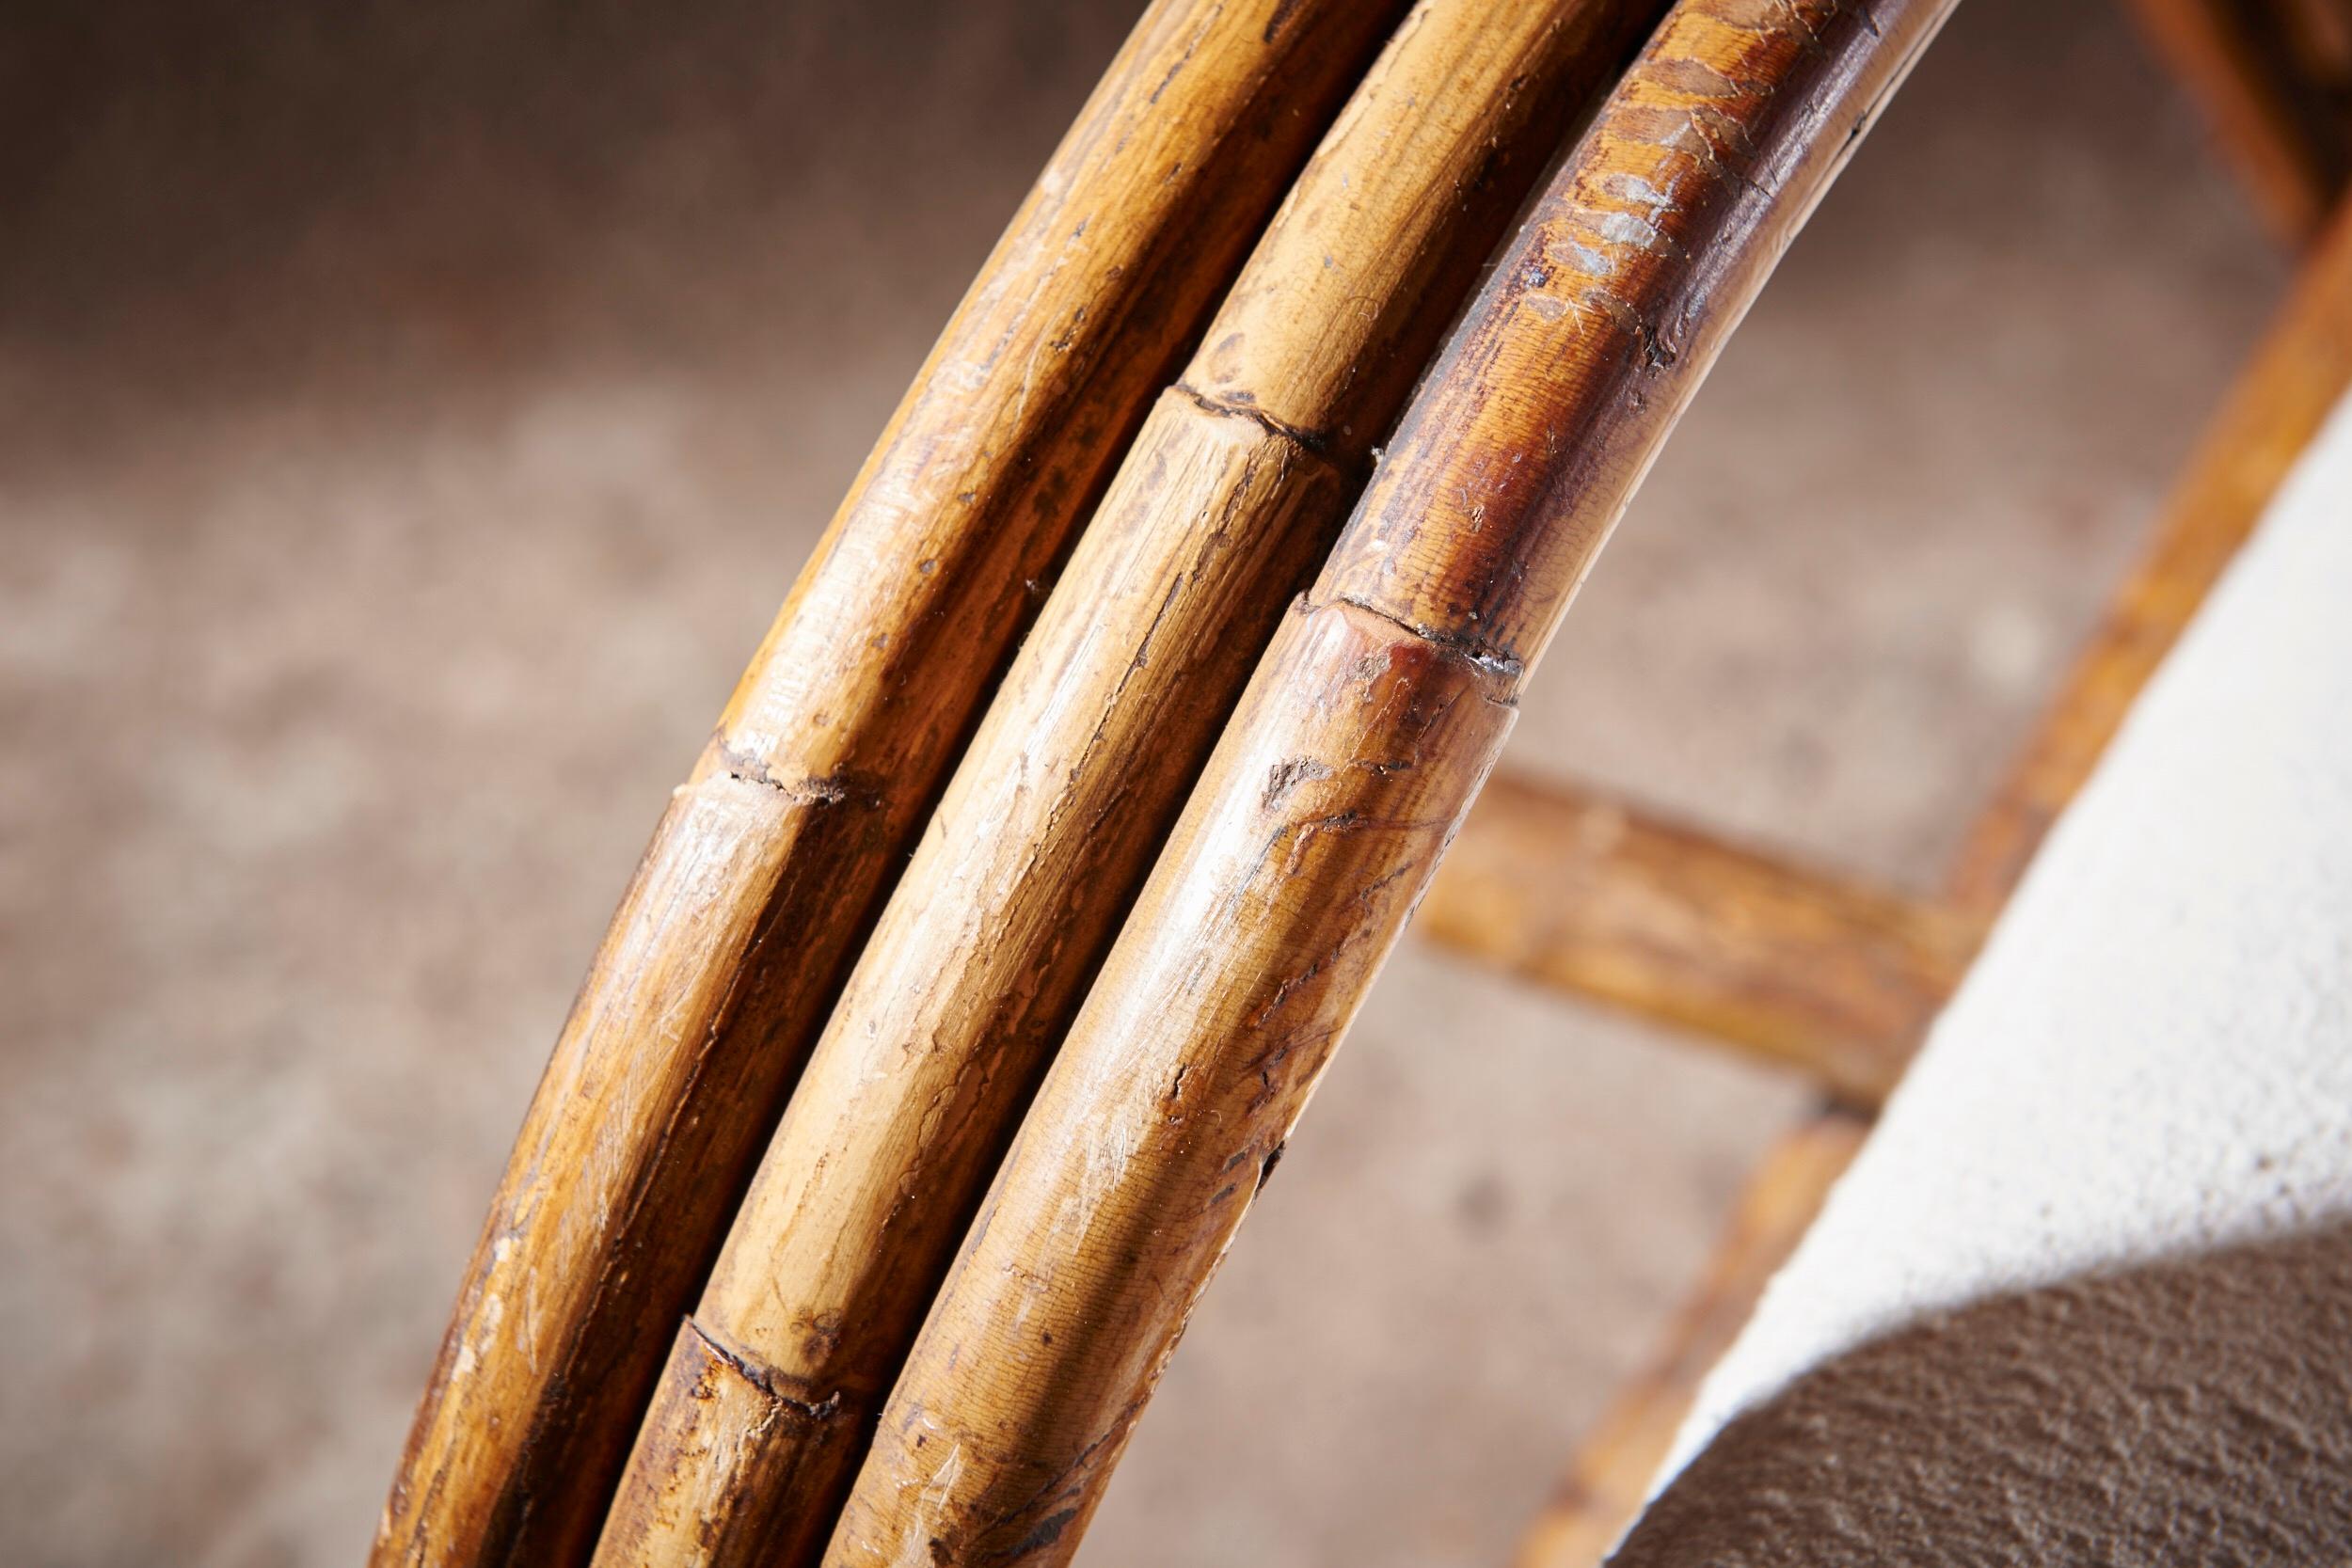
[411,415]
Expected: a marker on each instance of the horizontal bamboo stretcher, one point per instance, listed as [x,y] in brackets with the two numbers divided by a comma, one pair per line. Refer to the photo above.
[1797,965]
[771,863]
[1368,728]
[1225,505]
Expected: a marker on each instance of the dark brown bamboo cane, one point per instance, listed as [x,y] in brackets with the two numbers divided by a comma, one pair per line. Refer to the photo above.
[1226,502]
[771,863]
[2278,139]
[1360,743]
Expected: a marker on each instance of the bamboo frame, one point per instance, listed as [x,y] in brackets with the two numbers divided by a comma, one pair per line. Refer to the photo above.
[2269,416]
[1610,1479]
[1332,796]
[1370,725]
[2296,374]
[1226,501]
[769,864]
[2289,161]
[1798,965]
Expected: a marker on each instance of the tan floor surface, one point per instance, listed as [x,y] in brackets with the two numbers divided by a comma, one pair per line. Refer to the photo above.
[410,417]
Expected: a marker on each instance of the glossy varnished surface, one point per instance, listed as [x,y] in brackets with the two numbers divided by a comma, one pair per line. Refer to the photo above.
[1222,510]
[961,995]
[436,580]
[767,870]
[1346,770]
[1539,421]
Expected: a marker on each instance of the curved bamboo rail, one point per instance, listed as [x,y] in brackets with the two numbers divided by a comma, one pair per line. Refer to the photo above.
[771,863]
[1360,743]
[1224,507]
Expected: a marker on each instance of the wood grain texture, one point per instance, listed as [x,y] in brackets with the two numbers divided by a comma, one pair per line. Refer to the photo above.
[1606,1486]
[1794,964]
[2296,375]
[1364,735]
[1546,409]
[961,992]
[1222,510]
[1167,1108]
[769,866]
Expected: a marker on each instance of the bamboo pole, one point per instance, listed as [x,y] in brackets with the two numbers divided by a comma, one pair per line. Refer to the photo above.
[1355,751]
[771,863]
[1590,895]
[1796,965]
[1611,1477]
[2275,406]
[2293,380]
[1221,512]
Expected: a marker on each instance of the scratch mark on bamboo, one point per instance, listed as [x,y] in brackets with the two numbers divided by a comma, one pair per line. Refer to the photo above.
[1244,963]
[766,872]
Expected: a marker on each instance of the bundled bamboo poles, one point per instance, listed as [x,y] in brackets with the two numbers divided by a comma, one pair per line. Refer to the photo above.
[1355,750]
[769,864]
[1221,512]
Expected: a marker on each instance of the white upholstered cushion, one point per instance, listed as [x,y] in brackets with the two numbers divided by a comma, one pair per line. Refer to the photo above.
[2144,1088]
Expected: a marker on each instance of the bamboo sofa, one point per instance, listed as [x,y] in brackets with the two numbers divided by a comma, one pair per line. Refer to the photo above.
[977,974]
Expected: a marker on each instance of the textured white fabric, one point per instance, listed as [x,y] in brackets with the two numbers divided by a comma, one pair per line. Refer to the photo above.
[2154,1057]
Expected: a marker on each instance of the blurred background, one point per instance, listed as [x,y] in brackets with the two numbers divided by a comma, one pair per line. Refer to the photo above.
[411,415]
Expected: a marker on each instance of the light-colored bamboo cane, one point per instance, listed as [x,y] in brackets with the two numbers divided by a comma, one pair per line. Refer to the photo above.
[771,863]
[1606,1486]
[2274,408]
[1796,965]
[1228,501]
[1359,745]
[1838,978]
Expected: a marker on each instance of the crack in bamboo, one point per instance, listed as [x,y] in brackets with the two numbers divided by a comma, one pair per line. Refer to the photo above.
[1516,458]
[1225,505]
